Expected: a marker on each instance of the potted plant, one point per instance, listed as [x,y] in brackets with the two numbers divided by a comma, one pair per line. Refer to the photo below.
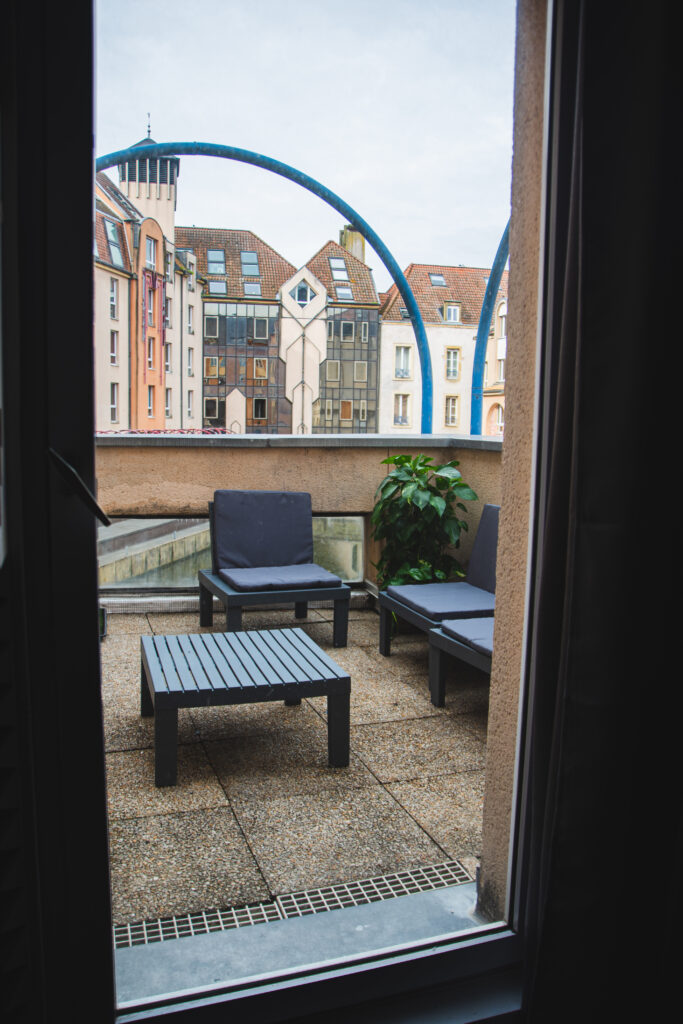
[417,515]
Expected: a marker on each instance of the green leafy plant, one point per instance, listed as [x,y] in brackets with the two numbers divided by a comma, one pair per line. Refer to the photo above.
[416,514]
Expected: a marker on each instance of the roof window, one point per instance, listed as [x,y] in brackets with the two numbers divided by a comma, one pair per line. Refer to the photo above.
[338,268]
[215,261]
[344,293]
[438,280]
[250,267]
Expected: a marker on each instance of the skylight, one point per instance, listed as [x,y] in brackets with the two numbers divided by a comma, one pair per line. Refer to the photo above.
[438,280]
[344,293]
[215,261]
[338,268]
[250,267]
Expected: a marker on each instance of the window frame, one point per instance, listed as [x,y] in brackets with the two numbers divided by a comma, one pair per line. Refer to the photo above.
[168,403]
[113,348]
[113,298]
[329,377]
[402,400]
[449,350]
[254,417]
[451,421]
[212,264]
[346,402]
[357,364]
[150,252]
[400,372]
[113,401]
[114,243]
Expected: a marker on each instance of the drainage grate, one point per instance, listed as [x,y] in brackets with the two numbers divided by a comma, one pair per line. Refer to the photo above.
[297,904]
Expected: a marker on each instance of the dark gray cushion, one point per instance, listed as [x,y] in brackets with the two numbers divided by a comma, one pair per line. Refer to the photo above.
[476,633]
[280,577]
[481,571]
[257,528]
[437,601]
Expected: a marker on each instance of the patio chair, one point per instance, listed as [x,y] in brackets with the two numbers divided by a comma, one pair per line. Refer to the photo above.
[262,553]
[426,605]
[468,640]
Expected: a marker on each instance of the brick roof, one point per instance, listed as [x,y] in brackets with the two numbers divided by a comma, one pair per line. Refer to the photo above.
[275,269]
[103,212]
[464,285]
[360,275]
[113,193]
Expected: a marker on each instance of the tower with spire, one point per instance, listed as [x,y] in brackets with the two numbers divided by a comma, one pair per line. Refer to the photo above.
[151,184]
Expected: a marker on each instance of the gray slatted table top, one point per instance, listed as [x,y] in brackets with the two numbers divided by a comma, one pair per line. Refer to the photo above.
[198,669]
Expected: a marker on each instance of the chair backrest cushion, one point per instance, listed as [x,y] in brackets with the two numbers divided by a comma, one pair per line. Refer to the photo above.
[481,571]
[258,528]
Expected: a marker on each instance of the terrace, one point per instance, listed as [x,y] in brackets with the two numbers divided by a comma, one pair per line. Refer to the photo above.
[257,814]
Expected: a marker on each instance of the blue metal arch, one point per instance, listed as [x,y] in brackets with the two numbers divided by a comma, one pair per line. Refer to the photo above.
[284,170]
[484,327]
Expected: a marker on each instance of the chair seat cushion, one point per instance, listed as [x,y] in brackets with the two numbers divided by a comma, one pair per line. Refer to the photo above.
[280,577]
[438,601]
[476,633]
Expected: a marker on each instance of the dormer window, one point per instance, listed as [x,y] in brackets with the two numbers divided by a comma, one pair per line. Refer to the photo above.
[451,313]
[438,280]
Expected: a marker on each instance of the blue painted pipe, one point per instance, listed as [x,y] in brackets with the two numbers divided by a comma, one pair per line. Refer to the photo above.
[484,327]
[245,156]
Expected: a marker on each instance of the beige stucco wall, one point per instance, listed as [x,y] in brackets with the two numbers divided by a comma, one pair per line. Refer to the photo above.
[105,373]
[525,234]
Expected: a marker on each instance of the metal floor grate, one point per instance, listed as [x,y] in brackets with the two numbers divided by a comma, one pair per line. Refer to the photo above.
[296,904]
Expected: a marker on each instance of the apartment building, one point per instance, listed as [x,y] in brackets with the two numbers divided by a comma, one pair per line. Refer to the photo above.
[450,301]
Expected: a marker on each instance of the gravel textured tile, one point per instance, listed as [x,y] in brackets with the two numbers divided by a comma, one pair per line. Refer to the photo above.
[422,748]
[180,863]
[131,792]
[374,696]
[134,623]
[467,689]
[291,760]
[323,838]
[242,720]
[177,623]
[449,809]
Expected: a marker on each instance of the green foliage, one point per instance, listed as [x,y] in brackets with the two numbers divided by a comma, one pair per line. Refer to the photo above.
[416,514]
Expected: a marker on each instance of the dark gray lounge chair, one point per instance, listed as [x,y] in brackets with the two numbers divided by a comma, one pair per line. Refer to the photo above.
[262,553]
[469,640]
[426,605]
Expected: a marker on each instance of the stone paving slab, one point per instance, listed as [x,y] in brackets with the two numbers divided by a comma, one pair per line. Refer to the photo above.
[304,841]
[418,749]
[131,792]
[448,808]
[180,863]
[135,623]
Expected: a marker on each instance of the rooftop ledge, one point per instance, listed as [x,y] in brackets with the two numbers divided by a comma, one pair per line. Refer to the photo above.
[421,441]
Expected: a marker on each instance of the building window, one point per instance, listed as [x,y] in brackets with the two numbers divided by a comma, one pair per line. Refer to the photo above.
[218,288]
[344,293]
[486,374]
[150,253]
[438,280]
[150,307]
[360,372]
[500,419]
[364,331]
[363,410]
[401,416]
[402,364]
[210,366]
[347,330]
[114,402]
[451,416]
[260,327]
[169,403]
[452,314]
[114,348]
[210,326]
[252,288]
[330,330]
[150,400]
[190,403]
[114,244]
[190,362]
[250,267]
[302,293]
[215,261]
[338,268]
[452,363]
[328,408]
[168,367]
[150,353]
[260,369]
[210,408]
[113,298]
[501,371]
[332,373]
[168,313]
[190,319]
[169,267]
[346,410]
[503,318]
[259,409]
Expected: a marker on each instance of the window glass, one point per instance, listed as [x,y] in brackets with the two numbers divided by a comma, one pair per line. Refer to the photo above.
[215,261]
[218,288]
[252,287]
[344,293]
[438,279]
[114,245]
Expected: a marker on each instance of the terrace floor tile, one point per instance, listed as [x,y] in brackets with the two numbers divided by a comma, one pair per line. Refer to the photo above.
[131,792]
[418,749]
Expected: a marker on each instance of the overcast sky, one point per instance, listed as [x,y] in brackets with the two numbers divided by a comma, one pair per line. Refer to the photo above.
[401,107]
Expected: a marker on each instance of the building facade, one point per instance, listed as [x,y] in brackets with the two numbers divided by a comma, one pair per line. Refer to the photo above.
[450,301]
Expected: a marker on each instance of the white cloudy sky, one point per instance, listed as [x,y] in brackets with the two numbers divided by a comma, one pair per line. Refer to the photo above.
[401,107]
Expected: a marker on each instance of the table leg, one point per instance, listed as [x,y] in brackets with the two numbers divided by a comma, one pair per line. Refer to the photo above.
[341,622]
[338,715]
[233,619]
[300,609]
[146,705]
[165,746]
[437,676]
[205,606]
[385,624]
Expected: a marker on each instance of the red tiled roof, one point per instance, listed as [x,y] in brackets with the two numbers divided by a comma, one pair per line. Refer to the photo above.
[102,212]
[464,285]
[360,275]
[275,269]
